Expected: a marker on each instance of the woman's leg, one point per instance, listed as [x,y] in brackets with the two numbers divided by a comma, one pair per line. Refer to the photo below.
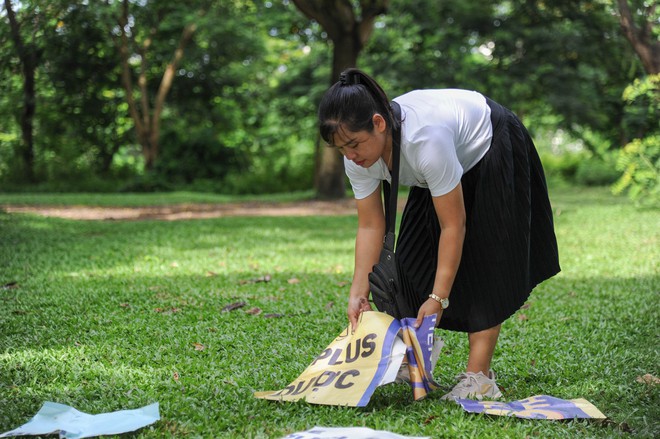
[482,347]
[478,381]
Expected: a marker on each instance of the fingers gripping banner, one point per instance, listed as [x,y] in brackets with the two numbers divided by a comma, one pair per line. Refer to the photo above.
[350,369]
[418,354]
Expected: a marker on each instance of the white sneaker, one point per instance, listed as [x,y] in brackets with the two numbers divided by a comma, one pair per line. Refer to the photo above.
[474,386]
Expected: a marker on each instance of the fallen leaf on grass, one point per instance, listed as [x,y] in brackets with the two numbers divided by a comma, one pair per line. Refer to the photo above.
[428,420]
[293,280]
[174,429]
[648,379]
[273,316]
[199,346]
[522,317]
[175,375]
[526,306]
[253,311]
[263,298]
[623,426]
[230,381]
[255,280]
[124,305]
[211,274]
[342,284]
[328,306]
[233,306]
[171,310]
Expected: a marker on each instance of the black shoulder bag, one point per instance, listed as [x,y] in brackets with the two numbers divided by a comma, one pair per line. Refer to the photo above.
[384,280]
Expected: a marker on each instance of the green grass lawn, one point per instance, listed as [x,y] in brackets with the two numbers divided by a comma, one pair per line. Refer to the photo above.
[106,316]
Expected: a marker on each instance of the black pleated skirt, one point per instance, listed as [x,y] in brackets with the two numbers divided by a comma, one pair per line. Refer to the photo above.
[510,244]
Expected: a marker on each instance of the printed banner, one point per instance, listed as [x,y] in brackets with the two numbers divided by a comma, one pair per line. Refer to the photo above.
[418,354]
[350,369]
[536,407]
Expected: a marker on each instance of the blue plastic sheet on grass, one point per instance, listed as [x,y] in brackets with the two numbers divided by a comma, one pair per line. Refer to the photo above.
[73,424]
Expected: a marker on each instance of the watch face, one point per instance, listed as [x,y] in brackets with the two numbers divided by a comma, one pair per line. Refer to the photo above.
[444,303]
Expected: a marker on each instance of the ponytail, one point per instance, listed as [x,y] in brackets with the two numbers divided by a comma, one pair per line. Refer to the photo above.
[351,103]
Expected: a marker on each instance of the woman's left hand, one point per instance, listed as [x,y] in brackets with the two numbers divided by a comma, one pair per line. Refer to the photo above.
[428,308]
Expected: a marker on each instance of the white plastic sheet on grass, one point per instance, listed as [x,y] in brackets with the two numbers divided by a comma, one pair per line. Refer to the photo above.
[348,433]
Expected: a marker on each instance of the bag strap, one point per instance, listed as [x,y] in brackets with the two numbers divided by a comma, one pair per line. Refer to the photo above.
[390,211]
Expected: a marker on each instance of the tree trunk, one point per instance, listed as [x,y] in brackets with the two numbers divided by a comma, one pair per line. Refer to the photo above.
[27,116]
[29,58]
[330,179]
[349,35]
[146,119]
[642,39]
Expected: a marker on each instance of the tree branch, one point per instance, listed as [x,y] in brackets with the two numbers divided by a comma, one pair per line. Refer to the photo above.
[627,22]
[126,80]
[335,18]
[641,39]
[142,83]
[15,30]
[168,76]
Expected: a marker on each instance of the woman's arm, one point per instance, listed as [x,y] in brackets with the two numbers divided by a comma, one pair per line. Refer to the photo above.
[451,215]
[368,244]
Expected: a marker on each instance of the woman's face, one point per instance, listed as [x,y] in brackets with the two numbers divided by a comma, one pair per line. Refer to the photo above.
[364,148]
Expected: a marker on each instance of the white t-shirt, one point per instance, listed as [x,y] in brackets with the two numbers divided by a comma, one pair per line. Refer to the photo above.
[443,135]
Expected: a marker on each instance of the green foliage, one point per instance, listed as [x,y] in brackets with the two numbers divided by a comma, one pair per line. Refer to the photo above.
[106,316]
[640,162]
[562,166]
[597,171]
[244,98]
[536,58]
[200,154]
[565,158]
[640,159]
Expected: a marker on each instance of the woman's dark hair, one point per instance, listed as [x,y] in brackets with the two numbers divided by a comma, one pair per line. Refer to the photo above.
[351,103]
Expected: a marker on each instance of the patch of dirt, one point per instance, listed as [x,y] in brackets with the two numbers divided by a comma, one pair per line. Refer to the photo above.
[191,211]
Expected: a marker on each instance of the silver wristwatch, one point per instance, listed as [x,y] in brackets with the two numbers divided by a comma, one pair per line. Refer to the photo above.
[444,302]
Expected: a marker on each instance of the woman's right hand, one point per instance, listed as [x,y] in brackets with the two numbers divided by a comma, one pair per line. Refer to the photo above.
[356,305]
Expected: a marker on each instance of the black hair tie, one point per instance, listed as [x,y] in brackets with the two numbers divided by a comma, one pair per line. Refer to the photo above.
[349,79]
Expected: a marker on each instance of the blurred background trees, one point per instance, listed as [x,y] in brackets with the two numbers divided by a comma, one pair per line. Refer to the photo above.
[221,95]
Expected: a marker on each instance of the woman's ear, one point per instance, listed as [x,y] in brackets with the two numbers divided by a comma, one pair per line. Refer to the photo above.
[380,124]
